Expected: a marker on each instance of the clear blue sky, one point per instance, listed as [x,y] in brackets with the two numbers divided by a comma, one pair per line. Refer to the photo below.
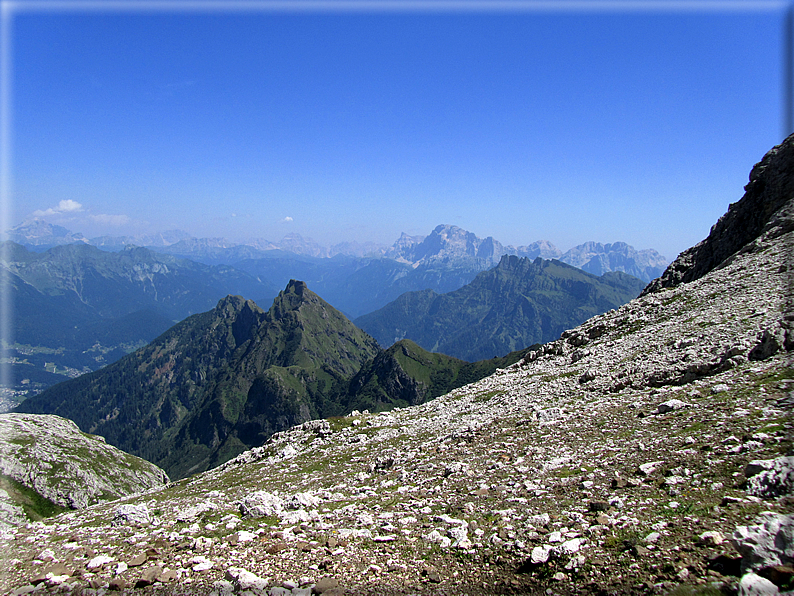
[567,125]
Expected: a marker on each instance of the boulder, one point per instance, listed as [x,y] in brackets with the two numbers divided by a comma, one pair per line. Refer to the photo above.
[766,544]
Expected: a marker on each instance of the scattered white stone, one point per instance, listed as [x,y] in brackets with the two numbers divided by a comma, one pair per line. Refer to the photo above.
[288,452]
[201,563]
[132,514]
[435,537]
[652,538]
[570,547]
[99,561]
[650,467]
[712,538]
[302,501]
[245,580]
[191,513]
[261,504]
[671,406]
[245,536]
[540,554]
[770,478]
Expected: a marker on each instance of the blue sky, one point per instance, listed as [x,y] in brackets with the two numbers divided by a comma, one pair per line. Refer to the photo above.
[586,122]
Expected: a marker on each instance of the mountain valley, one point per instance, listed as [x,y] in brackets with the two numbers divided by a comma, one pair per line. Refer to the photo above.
[647,450]
[77,308]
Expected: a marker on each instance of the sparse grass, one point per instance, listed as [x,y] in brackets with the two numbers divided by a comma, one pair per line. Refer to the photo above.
[564,472]
[687,590]
[623,538]
[338,423]
[35,506]
[488,395]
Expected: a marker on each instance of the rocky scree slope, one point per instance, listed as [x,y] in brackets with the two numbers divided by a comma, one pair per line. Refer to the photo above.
[646,451]
[47,464]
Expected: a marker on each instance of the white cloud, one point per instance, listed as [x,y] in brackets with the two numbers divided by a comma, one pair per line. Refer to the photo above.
[65,206]
[286,219]
[69,205]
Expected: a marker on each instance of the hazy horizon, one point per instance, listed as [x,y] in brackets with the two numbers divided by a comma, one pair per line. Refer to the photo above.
[331,245]
[525,121]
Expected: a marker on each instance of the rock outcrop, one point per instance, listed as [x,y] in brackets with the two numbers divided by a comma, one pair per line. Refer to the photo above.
[766,211]
[47,460]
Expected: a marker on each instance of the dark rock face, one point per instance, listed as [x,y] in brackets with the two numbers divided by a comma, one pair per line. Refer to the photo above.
[766,209]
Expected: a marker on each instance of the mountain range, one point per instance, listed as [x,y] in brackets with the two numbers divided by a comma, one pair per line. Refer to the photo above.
[445,244]
[66,325]
[648,450]
[77,308]
[517,303]
[223,381]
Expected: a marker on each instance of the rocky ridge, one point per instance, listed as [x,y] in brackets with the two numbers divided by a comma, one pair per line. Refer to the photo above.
[448,243]
[598,258]
[646,451]
[66,468]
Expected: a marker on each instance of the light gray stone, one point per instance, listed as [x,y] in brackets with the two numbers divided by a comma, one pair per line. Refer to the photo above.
[768,543]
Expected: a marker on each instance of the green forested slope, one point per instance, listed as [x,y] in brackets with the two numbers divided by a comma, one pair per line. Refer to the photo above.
[515,304]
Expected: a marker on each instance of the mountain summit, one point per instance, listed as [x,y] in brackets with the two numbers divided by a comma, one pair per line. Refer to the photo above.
[514,305]
[218,382]
[764,212]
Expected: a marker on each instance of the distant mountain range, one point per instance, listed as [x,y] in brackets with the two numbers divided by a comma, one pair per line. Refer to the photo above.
[77,308]
[222,381]
[445,244]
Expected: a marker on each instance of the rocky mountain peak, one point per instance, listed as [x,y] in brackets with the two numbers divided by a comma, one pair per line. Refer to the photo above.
[765,210]
[39,232]
[296,287]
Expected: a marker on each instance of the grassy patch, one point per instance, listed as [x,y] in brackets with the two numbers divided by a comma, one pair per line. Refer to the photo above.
[487,395]
[564,472]
[623,539]
[338,423]
[33,504]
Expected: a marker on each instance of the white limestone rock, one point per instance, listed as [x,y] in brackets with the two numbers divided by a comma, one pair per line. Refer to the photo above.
[261,504]
[768,543]
[770,478]
[130,514]
[72,469]
[755,585]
